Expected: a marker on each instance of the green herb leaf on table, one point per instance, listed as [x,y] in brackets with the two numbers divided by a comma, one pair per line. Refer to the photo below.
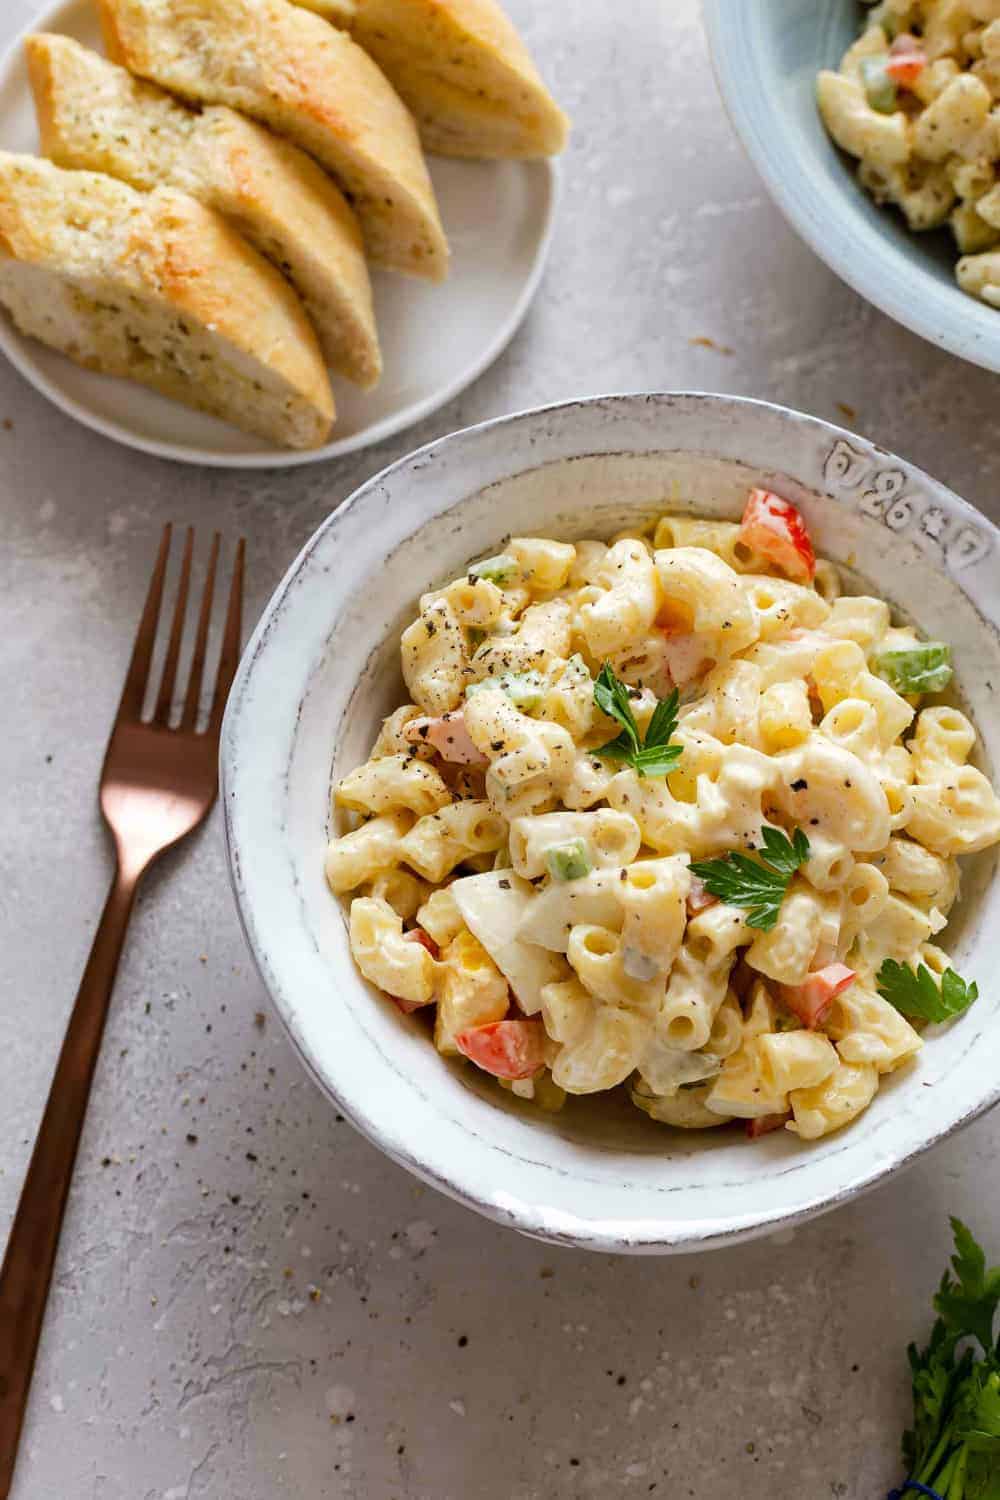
[982,1430]
[916,994]
[759,884]
[652,756]
[953,1446]
[967,1302]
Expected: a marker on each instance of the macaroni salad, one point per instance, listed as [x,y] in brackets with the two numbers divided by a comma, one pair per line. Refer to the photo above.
[669,812]
[916,100]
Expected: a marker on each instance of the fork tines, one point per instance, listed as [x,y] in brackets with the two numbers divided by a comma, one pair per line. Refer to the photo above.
[137,680]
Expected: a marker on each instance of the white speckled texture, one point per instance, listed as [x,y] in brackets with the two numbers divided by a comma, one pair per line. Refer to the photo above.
[179,1360]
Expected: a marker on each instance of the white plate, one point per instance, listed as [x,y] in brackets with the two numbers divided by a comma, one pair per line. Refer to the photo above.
[435,339]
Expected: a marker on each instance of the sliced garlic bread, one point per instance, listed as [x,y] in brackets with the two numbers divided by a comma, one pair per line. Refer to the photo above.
[310,82]
[93,115]
[465,73]
[159,289]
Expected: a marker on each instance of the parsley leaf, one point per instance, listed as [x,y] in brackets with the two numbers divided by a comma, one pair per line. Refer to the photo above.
[936,1377]
[967,1302]
[611,697]
[785,855]
[654,756]
[663,723]
[931,1390]
[620,749]
[979,1429]
[983,1420]
[759,884]
[916,994]
[657,760]
[953,1446]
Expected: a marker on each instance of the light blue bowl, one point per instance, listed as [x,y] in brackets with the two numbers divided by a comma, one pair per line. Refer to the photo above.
[766,55]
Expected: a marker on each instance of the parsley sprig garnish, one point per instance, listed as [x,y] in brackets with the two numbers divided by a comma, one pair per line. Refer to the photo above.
[916,994]
[652,756]
[953,1446]
[760,884]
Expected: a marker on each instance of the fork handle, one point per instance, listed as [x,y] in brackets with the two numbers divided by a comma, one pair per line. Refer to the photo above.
[34,1237]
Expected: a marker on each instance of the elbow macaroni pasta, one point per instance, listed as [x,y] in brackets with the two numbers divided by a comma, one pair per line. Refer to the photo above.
[500,868]
[383,955]
[437,843]
[394,781]
[599,1045]
[435,658]
[621,602]
[928,140]
[610,839]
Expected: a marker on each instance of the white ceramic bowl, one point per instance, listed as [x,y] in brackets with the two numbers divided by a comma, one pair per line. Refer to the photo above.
[766,55]
[322,670]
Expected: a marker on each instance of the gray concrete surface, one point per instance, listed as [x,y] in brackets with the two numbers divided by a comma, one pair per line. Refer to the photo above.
[250,1301]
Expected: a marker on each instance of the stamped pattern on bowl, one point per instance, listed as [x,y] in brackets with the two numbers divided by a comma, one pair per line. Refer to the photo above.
[883,495]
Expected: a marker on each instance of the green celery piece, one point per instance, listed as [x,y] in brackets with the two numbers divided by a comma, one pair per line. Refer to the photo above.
[501,570]
[569,861]
[880,89]
[919,669]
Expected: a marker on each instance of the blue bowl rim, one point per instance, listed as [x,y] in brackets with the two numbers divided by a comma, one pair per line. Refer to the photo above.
[848,243]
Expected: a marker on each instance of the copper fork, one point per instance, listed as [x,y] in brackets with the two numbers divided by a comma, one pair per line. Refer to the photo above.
[157,785]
